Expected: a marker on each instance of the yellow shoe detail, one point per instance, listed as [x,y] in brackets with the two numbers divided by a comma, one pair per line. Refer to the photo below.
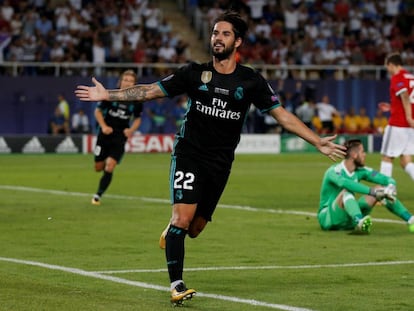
[178,297]
[162,237]
[95,201]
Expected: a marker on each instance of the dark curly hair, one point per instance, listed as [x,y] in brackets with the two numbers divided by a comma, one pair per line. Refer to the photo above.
[234,18]
[350,145]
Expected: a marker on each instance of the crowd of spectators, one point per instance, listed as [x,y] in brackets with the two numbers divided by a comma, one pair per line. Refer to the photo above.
[281,32]
[319,32]
[87,31]
[352,123]
[318,114]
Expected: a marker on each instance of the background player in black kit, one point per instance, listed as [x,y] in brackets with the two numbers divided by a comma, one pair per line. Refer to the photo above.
[115,126]
[220,94]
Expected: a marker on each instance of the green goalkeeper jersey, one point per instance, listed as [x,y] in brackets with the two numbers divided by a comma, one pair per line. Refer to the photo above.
[337,178]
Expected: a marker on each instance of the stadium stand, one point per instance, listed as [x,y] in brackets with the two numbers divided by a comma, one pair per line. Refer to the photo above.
[88,31]
[348,33]
[316,32]
[94,35]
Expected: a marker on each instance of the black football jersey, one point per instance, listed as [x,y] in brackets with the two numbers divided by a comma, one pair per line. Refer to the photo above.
[217,107]
[118,115]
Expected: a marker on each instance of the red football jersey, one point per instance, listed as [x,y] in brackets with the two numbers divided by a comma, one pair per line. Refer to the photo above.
[400,82]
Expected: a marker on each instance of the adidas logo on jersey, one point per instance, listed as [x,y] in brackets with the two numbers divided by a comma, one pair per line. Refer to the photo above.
[4,148]
[67,146]
[203,88]
[33,146]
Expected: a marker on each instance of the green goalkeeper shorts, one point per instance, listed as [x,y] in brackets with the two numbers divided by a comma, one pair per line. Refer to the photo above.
[333,217]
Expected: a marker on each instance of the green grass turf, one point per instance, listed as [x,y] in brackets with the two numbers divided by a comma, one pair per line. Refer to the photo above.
[287,259]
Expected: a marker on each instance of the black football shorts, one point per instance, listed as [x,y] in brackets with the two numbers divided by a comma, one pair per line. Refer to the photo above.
[196,182]
[109,146]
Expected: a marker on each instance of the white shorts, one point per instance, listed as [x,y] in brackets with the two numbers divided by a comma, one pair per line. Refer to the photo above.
[397,141]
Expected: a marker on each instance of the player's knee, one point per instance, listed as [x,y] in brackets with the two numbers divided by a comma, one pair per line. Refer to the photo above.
[194,232]
[110,165]
[347,196]
[196,227]
[99,167]
[109,169]
[181,221]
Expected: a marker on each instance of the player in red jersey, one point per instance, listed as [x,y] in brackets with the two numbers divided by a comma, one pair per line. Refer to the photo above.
[398,139]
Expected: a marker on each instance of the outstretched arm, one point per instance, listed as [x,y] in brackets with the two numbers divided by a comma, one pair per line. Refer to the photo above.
[325,145]
[139,92]
[377,192]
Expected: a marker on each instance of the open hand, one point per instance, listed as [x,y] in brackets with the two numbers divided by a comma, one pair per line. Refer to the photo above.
[92,93]
[332,150]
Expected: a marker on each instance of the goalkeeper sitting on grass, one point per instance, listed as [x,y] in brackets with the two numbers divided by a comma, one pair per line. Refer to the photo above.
[340,210]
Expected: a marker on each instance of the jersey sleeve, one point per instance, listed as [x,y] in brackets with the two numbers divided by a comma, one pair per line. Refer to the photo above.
[265,98]
[345,183]
[399,84]
[375,177]
[137,110]
[102,105]
[176,83]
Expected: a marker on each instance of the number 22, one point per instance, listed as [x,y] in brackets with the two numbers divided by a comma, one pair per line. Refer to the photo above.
[183,181]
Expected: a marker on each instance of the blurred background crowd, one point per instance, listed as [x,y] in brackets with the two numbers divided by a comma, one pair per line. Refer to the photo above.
[303,32]
[87,31]
[316,32]
[350,33]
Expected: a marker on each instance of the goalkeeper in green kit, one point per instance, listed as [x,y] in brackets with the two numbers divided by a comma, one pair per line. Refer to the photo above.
[339,209]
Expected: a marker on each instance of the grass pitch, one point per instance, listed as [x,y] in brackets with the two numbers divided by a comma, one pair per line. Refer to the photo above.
[263,250]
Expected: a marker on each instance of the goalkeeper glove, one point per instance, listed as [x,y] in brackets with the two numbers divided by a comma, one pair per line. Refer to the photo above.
[378,193]
[388,192]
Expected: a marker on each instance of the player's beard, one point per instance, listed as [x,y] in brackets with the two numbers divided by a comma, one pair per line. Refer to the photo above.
[359,163]
[225,53]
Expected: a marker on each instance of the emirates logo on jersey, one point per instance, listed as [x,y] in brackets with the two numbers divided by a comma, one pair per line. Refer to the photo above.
[218,109]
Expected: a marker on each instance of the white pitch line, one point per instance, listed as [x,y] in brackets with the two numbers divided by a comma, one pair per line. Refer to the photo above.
[81,194]
[148,285]
[345,265]
[157,200]
[103,274]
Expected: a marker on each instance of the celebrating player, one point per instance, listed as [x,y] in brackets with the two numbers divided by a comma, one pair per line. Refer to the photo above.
[220,94]
[339,209]
[398,139]
[115,127]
